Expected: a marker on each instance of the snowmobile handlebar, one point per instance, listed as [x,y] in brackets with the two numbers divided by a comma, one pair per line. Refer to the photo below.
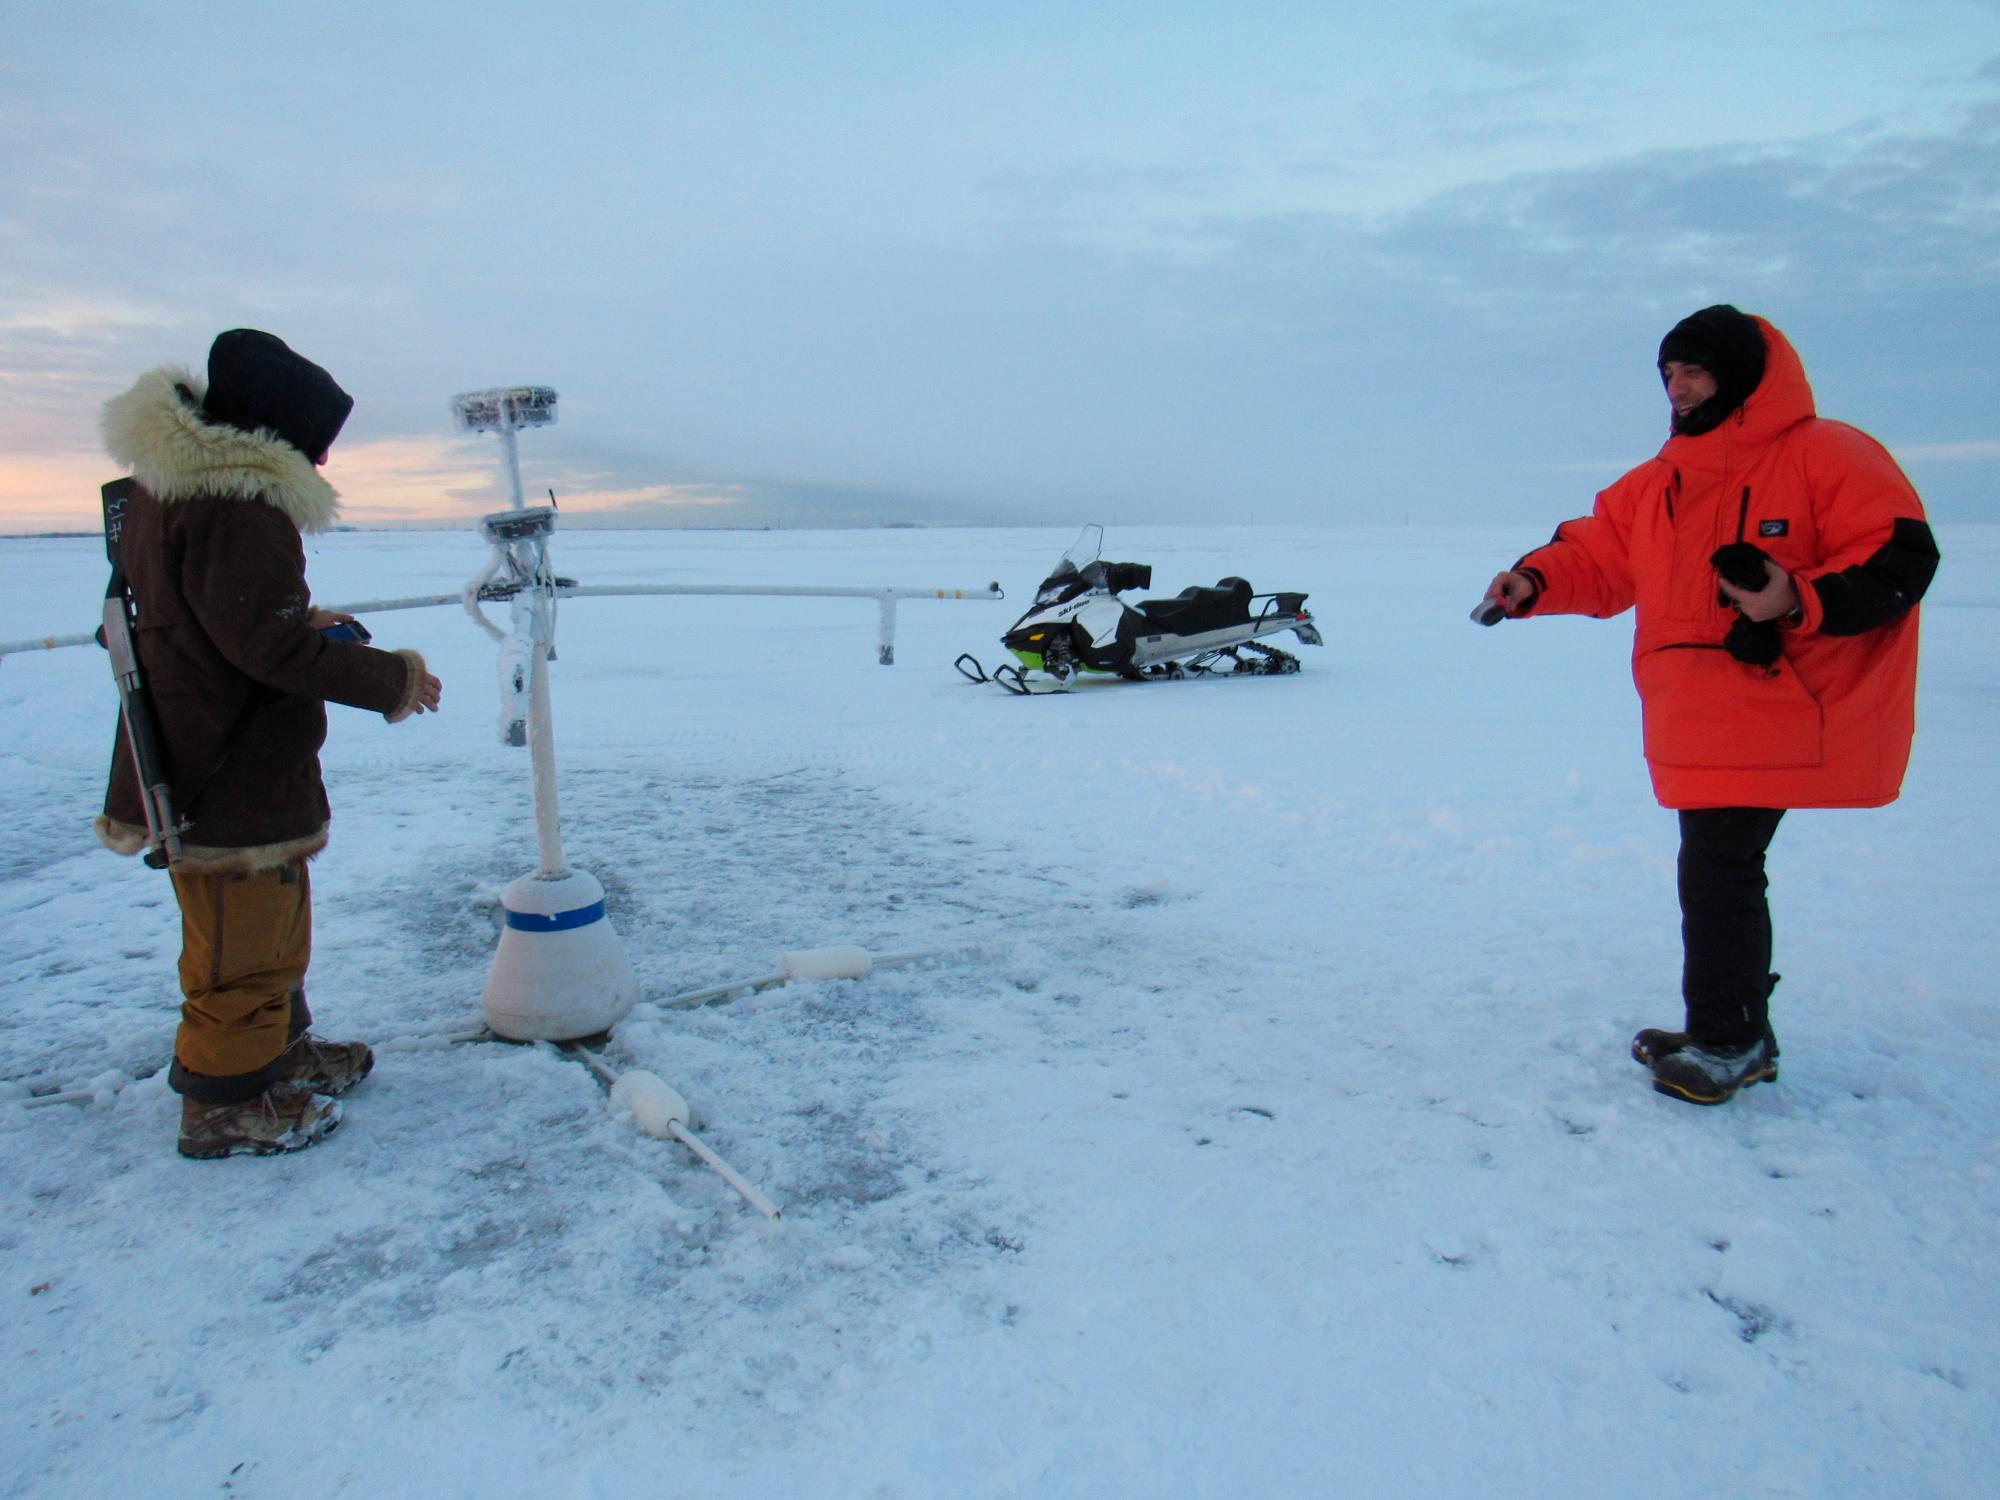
[1119,577]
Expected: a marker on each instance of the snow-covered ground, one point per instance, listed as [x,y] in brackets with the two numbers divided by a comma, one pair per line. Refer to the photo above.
[1275,1134]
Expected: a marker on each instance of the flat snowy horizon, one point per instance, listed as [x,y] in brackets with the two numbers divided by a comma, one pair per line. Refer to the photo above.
[1269,1128]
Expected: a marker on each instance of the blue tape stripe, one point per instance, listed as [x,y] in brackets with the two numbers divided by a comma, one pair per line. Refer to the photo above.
[562,921]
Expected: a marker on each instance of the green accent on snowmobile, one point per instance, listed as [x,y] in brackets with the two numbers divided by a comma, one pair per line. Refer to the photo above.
[1033,660]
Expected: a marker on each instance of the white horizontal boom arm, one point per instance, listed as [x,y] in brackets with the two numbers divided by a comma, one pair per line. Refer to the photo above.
[592,590]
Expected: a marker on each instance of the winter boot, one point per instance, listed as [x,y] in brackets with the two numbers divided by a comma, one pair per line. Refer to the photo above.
[279,1119]
[324,1067]
[1710,1075]
[1652,1044]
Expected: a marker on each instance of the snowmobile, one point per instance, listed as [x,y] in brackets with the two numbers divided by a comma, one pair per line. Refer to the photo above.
[1078,624]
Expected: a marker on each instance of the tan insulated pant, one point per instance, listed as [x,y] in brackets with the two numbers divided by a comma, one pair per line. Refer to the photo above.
[245,944]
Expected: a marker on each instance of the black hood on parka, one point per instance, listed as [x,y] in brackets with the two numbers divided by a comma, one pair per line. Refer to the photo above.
[256,382]
[1730,346]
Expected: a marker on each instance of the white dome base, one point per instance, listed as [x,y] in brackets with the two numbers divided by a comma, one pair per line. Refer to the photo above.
[559,973]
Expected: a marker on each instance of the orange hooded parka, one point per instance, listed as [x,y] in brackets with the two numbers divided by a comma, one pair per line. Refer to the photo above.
[1829,723]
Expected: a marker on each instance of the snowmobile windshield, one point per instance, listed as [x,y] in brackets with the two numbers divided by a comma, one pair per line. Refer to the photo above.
[1070,572]
[1085,550]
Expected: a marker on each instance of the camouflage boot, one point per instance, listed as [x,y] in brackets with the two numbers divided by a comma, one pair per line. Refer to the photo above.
[279,1119]
[323,1067]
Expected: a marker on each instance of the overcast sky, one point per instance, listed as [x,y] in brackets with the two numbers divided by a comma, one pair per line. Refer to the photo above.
[823,263]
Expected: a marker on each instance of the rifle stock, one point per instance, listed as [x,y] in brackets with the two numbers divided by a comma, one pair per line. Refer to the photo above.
[135,704]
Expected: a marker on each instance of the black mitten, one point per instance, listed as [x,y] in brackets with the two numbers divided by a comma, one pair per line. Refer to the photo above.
[1753,641]
[1742,563]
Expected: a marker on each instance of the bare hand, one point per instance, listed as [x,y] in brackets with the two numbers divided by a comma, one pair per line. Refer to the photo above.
[429,695]
[1776,598]
[1514,590]
[320,619]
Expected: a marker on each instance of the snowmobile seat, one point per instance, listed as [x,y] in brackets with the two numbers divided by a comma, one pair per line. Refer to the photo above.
[1195,610]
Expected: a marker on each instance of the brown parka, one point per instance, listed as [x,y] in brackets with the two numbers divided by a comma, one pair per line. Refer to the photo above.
[239,677]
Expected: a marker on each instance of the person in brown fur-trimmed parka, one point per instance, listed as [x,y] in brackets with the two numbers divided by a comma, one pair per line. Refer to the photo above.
[240,674]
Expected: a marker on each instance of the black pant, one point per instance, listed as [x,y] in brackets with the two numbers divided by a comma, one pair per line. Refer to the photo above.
[1726,976]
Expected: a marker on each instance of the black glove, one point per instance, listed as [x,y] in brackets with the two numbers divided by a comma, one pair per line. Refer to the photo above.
[1752,641]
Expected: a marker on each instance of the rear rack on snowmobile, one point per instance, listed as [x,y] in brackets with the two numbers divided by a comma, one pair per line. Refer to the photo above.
[1290,607]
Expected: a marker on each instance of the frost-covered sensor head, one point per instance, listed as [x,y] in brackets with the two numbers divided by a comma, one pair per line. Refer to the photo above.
[511,407]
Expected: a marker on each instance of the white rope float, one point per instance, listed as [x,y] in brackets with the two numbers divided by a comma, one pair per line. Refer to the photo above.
[659,1110]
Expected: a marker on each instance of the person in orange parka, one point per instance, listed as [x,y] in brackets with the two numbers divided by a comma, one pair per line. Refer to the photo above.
[1775,559]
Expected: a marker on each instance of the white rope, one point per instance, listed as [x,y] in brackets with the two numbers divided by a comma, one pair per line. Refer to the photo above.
[715,994]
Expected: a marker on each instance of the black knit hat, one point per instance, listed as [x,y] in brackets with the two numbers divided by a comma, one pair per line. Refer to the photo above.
[257,383]
[1726,343]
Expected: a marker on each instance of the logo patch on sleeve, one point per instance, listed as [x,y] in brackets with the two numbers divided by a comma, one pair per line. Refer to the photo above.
[1773,528]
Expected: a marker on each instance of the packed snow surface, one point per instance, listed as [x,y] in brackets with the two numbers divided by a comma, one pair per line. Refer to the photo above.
[1266,1126]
